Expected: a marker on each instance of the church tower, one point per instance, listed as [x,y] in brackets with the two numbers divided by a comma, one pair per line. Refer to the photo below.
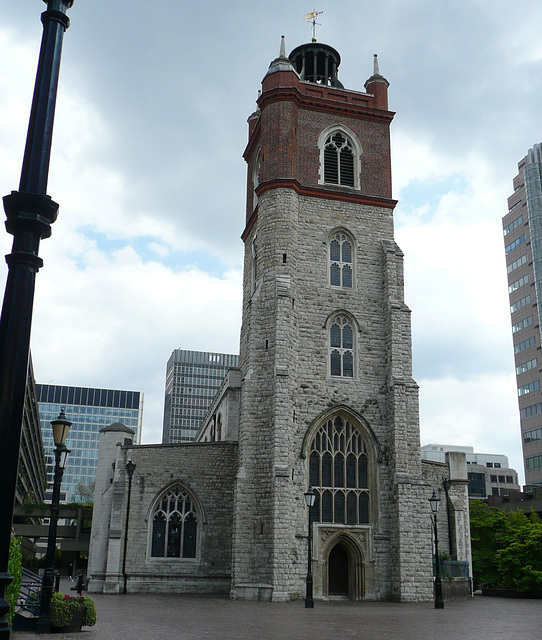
[327,396]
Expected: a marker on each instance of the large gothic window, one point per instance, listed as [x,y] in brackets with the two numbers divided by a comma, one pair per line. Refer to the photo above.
[341,347]
[174,526]
[340,261]
[339,473]
[339,160]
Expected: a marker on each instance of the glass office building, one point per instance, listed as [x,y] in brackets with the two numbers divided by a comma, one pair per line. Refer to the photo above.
[89,410]
[192,380]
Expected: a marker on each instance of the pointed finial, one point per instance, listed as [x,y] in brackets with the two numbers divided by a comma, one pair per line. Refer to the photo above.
[282,47]
[376,72]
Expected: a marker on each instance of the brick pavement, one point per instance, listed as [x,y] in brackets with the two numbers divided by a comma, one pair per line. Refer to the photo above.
[189,617]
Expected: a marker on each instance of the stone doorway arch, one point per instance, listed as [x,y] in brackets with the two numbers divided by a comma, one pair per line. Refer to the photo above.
[344,568]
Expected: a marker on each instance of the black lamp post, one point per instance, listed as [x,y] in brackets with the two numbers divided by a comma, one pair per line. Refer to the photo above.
[434,501]
[130,468]
[61,426]
[310,497]
[30,213]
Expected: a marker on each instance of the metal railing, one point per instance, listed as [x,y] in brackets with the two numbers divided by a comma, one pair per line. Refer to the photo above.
[452,568]
[30,592]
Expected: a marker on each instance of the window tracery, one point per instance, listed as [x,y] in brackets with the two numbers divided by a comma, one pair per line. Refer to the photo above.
[174,526]
[341,261]
[341,347]
[339,473]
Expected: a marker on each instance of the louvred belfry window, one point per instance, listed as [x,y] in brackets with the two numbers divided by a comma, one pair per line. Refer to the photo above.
[338,160]
[339,473]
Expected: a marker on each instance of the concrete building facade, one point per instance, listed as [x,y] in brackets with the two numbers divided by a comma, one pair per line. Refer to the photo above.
[522,228]
[489,474]
[324,389]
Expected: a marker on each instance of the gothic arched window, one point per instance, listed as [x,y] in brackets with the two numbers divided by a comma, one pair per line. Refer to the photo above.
[174,525]
[339,473]
[341,347]
[339,160]
[341,261]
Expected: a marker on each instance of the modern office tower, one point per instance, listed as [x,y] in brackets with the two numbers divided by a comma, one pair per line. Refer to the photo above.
[89,410]
[192,379]
[523,246]
[31,478]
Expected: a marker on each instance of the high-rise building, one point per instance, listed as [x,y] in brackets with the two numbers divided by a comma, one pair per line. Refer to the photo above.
[89,410]
[192,379]
[522,227]
[31,475]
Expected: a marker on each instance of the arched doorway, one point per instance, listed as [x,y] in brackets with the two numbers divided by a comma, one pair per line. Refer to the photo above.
[338,571]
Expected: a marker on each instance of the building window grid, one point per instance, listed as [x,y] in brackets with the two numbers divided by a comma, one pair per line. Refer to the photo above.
[514,224]
[517,263]
[522,324]
[518,283]
[526,366]
[532,436]
[514,244]
[520,303]
[521,346]
[528,388]
[531,411]
[533,462]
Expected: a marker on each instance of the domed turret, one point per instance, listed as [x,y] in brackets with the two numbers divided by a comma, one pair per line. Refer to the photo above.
[318,63]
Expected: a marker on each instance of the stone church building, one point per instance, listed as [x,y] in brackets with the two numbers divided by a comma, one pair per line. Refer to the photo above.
[323,397]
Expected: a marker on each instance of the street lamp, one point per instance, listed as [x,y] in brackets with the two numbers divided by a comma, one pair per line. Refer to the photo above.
[61,426]
[434,501]
[130,468]
[310,497]
[30,213]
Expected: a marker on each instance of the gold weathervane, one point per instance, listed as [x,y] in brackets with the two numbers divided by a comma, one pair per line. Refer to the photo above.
[311,17]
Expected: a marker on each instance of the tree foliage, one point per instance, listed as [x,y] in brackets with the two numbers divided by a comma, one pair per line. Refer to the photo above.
[506,548]
[15,569]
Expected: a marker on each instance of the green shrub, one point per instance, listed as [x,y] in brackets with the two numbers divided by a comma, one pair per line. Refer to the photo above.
[63,606]
[15,569]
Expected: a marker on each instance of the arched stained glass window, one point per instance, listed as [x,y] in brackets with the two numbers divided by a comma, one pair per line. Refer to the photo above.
[338,473]
[341,347]
[340,261]
[174,526]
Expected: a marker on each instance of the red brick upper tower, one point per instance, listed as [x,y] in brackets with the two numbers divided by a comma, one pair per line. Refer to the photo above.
[302,96]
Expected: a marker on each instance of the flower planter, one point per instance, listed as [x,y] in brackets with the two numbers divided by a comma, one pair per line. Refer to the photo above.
[76,623]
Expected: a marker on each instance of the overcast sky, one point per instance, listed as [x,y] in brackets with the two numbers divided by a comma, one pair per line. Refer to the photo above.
[151,123]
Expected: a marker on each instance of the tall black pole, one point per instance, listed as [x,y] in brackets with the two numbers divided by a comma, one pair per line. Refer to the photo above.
[439,601]
[30,213]
[130,468]
[44,620]
[309,600]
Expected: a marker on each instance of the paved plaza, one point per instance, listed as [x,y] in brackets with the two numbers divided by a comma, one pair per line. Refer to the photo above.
[190,617]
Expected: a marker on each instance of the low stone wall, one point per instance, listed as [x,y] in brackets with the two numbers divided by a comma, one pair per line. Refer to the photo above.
[456,588]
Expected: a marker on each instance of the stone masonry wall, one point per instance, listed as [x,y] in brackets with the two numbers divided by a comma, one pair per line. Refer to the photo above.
[207,472]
